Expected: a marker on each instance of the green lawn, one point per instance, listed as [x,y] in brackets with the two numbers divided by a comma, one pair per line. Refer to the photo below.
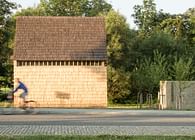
[131,106]
[97,137]
[5,104]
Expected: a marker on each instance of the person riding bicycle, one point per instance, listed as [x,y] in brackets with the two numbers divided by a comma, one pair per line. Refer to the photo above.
[24,94]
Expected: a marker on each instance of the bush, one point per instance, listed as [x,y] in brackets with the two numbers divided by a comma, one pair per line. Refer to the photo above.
[118,86]
[3,95]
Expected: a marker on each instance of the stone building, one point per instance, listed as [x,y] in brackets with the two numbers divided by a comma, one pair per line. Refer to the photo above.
[177,95]
[62,60]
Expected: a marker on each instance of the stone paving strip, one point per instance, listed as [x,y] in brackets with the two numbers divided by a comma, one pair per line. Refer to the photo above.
[98,122]
[95,130]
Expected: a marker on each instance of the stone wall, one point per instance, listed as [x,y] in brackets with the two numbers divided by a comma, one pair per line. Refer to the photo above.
[64,86]
[177,95]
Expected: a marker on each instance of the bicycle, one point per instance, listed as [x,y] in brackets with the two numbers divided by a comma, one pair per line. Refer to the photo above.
[28,106]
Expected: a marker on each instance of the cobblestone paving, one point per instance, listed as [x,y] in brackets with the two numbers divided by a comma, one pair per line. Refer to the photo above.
[100,122]
[94,130]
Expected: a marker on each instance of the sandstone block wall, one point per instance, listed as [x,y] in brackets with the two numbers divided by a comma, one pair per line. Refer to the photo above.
[64,86]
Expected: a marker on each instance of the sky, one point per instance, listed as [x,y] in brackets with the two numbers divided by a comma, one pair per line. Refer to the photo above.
[125,7]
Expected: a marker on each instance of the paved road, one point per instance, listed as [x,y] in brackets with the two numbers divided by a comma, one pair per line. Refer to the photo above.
[98,122]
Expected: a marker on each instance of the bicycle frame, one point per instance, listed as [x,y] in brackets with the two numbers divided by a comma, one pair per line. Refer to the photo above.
[27,107]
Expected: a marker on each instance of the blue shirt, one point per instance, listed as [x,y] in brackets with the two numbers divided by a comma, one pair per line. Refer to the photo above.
[21,86]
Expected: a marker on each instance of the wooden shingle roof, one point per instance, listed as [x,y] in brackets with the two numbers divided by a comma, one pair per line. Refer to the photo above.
[60,38]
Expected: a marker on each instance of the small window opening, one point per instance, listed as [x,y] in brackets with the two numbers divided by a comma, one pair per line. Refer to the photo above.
[62,63]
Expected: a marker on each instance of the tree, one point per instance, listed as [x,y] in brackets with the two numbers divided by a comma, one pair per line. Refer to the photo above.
[149,73]
[5,11]
[74,7]
[5,35]
[193,31]
[119,42]
[145,15]
[179,26]
[118,85]
[190,12]
[191,35]
[182,71]
[169,35]
[95,7]
[31,11]
[182,28]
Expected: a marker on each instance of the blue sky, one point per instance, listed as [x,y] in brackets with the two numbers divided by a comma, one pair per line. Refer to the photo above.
[125,7]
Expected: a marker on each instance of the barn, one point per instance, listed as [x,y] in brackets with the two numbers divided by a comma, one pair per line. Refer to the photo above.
[62,60]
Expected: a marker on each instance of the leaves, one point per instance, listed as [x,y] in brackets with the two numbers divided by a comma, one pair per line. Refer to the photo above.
[151,72]
[118,85]
[182,69]
[145,15]
[6,31]
[119,40]
[118,43]
[74,7]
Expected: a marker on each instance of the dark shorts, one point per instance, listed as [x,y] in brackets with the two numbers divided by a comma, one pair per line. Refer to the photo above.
[23,95]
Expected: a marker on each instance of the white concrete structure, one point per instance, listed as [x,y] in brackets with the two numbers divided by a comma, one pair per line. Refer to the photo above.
[177,95]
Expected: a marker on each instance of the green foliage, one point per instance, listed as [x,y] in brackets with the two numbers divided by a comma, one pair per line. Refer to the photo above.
[156,41]
[191,35]
[6,34]
[3,96]
[146,77]
[5,11]
[75,7]
[31,11]
[119,43]
[95,7]
[145,15]
[118,85]
[179,26]
[161,38]
[119,40]
[190,12]
[67,8]
[64,7]
[182,69]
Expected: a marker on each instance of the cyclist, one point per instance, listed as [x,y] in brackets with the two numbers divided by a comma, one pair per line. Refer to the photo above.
[24,94]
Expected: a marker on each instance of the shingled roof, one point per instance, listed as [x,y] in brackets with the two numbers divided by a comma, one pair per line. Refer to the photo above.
[60,38]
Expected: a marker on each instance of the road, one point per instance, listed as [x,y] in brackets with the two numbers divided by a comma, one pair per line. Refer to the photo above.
[99,122]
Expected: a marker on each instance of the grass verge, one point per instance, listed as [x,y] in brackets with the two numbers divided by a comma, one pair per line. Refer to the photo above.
[106,137]
[131,106]
[6,104]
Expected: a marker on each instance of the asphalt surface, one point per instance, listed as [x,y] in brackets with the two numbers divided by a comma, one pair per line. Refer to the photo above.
[96,122]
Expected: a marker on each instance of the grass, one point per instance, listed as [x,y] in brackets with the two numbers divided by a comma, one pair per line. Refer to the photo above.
[111,106]
[131,106]
[106,137]
[5,104]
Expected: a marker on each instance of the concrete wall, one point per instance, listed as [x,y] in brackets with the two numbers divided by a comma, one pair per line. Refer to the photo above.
[177,95]
[64,86]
